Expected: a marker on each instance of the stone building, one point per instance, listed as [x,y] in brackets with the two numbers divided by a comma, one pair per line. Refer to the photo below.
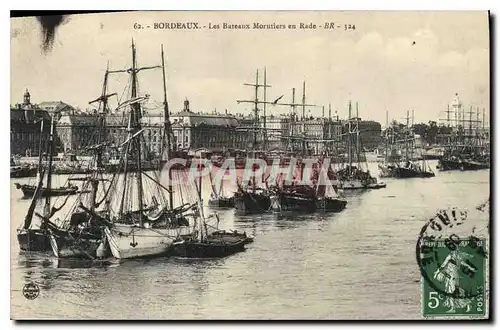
[26,121]
[201,130]
[278,129]
[56,108]
[77,131]
[190,130]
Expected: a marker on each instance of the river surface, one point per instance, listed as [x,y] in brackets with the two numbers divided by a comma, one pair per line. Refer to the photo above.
[357,264]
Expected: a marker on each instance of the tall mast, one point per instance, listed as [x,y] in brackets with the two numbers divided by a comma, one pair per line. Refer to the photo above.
[303,100]
[136,125]
[358,147]
[448,111]
[303,117]
[386,136]
[264,106]
[484,118]
[166,130]
[256,109]
[330,128]
[412,141]
[49,167]
[40,153]
[104,105]
[166,113]
[293,118]
[256,103]
[29,215]
[470,121]
[349,140]
[407,133]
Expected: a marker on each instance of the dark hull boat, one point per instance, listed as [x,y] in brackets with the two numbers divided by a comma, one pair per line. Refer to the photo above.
[22,172]
[295,199]
[248,202]
[29,191]
[211,247]
[217,198]
[462,165]
[404,172]
[64,245]
[232,235]
[221,202]
[32,239]
[330,204]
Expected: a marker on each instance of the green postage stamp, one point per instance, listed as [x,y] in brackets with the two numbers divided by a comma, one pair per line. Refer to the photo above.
[454,274]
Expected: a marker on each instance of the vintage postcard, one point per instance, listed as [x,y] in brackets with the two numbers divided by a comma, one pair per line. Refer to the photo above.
[250,165]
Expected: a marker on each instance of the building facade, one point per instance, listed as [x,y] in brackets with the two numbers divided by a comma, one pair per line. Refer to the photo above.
[26,121]
[56,108]
[190,130]
[201,130]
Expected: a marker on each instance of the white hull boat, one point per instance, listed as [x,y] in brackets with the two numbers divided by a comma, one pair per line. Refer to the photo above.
[128,241]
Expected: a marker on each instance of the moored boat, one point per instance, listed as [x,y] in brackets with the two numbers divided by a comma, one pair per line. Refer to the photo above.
[251,200]
[203,244]
[145,223]
[294,198]
[29,190]
[217,197]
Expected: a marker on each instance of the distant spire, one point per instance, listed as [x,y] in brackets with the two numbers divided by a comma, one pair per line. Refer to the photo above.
[27,97]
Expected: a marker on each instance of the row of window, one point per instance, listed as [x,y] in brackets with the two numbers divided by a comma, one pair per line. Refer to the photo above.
[26,136]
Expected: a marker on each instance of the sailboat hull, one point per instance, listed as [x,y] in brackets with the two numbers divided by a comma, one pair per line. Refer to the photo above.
[251,203]
[29,191]
[221,202]
[64,246]
[287,203]
[462,165]
[126,242]
[214,248]
[329,204]
[401,172]
[34,240]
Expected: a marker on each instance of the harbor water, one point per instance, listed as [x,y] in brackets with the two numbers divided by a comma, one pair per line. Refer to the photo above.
[357,264]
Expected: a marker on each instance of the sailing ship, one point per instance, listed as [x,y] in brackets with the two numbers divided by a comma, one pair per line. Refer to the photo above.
[218,199]
[204,244]
[250,198]
[464,158]
[144,223]
[294,197]
[37,239]
[407,167]
[327,195]
[81,233]
[352,177]
[466,149]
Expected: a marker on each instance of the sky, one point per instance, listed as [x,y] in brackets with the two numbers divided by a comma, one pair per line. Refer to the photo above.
[391,61]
